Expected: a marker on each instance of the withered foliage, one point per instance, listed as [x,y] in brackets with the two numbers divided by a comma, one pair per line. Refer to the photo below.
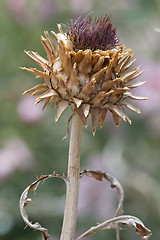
[112,223]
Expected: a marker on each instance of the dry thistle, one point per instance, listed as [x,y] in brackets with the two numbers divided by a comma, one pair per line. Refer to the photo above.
[90,71]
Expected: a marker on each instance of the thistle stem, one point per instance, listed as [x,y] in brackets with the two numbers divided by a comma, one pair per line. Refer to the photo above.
[72,192]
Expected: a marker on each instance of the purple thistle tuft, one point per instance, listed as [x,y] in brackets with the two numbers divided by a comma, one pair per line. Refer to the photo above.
[97,35]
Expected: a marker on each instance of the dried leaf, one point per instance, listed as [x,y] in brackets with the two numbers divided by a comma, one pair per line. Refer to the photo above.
[112,223]
[24,200]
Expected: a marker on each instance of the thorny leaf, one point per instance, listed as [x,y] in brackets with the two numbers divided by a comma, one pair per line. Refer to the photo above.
[24,200]
[112,223]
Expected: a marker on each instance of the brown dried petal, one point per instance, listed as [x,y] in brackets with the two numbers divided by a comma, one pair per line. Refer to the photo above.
[77,58]
[98,65]
[78,102]
[112,64]
[116,118]
[95,119]
[73,83]
[95,58]
[85,65]
[98,75]
[46,101]
[53,48]
[60,109]
[37,87]
[102,115]
[86,109]
[86,91]
[126,67]
[134,85]
[49,93]
[121,113]
[80,112]
[97,99]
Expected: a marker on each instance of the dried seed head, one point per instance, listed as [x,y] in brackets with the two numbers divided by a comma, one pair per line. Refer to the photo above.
[90,72]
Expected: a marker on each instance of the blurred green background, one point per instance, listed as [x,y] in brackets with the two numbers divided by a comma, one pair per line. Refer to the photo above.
[31,143]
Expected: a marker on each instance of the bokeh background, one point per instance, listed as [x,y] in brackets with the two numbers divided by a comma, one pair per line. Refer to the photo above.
[31,143]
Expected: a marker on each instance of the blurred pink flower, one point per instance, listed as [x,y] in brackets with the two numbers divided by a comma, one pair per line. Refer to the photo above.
[153,125]
[151,88]
[27,11]
[96,197]
[81,6]
[28,112]
[15,154]
[46,8]
[17,8]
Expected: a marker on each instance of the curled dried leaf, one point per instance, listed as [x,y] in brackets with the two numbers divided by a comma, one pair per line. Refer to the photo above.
[24,200]
[112,223]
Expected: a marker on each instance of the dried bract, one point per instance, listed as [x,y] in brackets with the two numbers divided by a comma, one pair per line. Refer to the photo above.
[90,72]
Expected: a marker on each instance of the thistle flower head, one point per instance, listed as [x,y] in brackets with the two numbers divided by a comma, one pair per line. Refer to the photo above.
[90,72]
[97,35]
